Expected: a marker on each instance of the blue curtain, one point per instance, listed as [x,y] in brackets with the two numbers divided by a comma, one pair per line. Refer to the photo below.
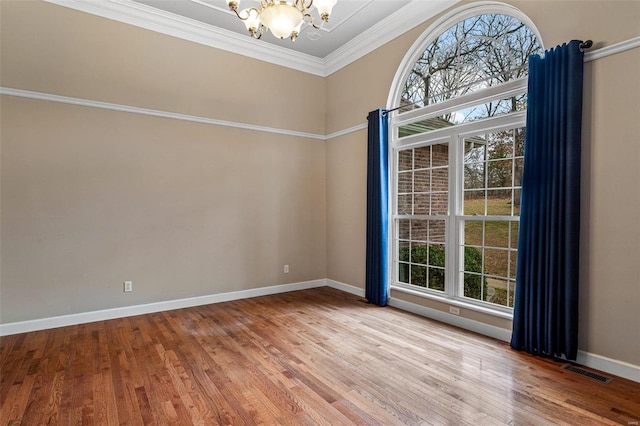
[545,320]
[376,286]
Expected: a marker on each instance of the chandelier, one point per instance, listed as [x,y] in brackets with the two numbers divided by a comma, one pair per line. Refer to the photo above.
[283,18]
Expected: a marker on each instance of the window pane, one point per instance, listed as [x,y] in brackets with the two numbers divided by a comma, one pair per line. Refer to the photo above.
[474,203]
[475,149]
[403,229]
[517,174]
[440,155]
[404,182]
[513,257]
[514,234]
[419,275]
[440,179]
[436,255]
[422,204]
[499,174]
[511,293]
[499,202]
[422,157]
[474,175]
[474,282]
[419,230]
[479,52]
[496,234]
[436,279]
[496,262]
[517,193]
[405,160]
[473,286]
[519,141]
[500,144]
[403,251]
[440,203]
[493,108]
[419,253]
[437,229]
[422,181]
[497,291]
[472,259]
[405,203]
[473,233]
[403,272]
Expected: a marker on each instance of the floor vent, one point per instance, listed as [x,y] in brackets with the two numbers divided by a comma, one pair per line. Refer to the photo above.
[586,373]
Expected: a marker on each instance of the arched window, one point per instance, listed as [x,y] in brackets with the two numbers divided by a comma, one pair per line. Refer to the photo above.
[457,141]
[476,53]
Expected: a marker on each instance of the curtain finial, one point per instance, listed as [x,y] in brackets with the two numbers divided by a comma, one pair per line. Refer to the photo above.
[586,45]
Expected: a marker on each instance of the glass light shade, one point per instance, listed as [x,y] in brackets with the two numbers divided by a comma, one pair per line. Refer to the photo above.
[281,18]
[296,32]
[324,6]
[253,19]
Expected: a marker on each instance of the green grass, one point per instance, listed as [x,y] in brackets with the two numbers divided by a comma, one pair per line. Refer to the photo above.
[497,206]
[501,297]
[496,233]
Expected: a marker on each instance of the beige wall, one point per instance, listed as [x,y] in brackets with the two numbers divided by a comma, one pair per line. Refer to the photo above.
[610,293]
[92,197]
[53,49]
[610,275]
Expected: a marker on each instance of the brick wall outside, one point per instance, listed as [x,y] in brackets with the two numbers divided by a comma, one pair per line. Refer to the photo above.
[427,167]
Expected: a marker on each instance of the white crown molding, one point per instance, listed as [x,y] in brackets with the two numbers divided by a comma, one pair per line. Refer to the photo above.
[384,31]
[398,23]
[153,112]
[148,308]
[150,18]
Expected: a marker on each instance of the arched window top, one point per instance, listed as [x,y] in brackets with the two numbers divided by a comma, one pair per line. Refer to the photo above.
[473,52]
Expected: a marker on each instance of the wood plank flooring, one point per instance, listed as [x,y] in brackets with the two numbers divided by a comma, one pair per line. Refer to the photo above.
[316,356]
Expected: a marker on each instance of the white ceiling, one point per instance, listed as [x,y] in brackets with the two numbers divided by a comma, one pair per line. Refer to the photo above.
[355,27]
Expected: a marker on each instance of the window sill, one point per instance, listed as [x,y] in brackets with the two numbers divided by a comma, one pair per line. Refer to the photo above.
[454,302]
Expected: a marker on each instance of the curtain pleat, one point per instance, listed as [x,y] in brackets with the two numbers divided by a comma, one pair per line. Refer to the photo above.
[376,285]
[545,320]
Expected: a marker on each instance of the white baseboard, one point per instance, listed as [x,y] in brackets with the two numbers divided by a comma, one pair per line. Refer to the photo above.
[458,321]
[348,288]
[598,362]
[148,308]
[608,365]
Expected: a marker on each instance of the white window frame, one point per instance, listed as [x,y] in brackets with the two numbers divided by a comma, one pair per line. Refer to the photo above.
[454,136]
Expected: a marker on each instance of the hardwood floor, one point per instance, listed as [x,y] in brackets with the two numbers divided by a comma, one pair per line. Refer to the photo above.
[308,357]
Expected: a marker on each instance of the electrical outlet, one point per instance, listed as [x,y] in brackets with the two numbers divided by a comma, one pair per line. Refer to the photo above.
[286,269]
[128,286]
[453,310]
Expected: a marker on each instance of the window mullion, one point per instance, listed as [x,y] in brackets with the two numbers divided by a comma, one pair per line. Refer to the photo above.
[452,245]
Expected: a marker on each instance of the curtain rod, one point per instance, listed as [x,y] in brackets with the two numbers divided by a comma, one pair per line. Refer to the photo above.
[587,44]
[583,46]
